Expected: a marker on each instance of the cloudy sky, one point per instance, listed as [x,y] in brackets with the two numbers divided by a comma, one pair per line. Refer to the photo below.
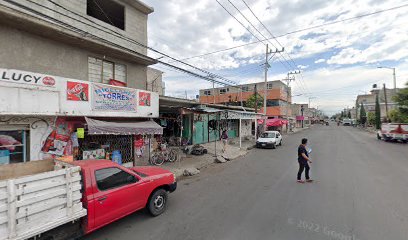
[338,61]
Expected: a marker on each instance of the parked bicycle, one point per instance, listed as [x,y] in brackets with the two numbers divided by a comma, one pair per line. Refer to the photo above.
[163,154]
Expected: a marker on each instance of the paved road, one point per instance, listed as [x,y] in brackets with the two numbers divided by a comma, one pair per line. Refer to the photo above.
[360,192]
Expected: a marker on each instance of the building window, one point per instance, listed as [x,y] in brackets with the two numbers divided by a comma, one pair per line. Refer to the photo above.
[207,92]
[269,86]
[14,146]
[107,11]
[245,88]
[224,90]
[272,103]
[102,71]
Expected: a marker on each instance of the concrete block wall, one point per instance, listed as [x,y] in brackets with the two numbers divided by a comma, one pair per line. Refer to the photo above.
[135,20]
[29,52]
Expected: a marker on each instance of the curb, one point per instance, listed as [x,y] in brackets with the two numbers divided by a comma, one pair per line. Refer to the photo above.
[178,173]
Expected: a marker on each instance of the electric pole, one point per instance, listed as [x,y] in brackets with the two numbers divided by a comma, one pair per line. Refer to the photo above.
[386,103]
[288,94]
[256,99]
[268,52]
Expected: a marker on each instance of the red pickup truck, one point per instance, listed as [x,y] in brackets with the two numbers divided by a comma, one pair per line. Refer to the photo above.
[111,192]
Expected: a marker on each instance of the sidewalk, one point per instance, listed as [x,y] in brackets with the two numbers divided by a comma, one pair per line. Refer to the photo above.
[191,164]
[188,165]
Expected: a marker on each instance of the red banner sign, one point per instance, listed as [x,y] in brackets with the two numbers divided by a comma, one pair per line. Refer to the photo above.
[77,91]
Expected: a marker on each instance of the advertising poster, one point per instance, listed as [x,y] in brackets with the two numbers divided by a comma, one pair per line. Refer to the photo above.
[77,91]
[111,98]
[144,99]
[58,138]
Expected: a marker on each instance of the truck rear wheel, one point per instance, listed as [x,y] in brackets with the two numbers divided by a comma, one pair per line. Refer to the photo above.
[157,202]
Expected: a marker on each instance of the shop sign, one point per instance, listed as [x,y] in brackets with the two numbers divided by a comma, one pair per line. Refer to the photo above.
[17,76]
[144,99]
[111,98]
[77,91]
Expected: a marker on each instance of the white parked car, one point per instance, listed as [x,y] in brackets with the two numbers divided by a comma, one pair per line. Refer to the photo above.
[269,139]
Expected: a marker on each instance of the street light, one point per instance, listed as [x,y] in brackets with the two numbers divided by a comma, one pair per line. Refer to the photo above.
[393,73]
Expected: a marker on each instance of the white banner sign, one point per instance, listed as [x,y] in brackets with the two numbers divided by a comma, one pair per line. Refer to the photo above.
[17,76]
[111,98]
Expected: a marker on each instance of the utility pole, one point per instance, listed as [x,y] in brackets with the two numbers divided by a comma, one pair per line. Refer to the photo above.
[288,94]
[395,81]
[386,103]
[266,71]
[213,93]
[256,99]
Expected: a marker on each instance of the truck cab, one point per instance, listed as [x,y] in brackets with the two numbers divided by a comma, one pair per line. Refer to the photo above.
[111,191]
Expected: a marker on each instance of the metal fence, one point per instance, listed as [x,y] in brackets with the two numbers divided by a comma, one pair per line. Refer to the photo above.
[110,143]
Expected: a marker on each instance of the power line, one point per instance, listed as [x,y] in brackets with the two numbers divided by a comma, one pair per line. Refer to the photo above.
[72,28]
[299,30]
[290,58]
[289,69]
[120,36]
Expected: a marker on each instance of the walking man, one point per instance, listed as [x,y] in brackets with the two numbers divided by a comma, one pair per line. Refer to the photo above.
[303,159]
[224,138]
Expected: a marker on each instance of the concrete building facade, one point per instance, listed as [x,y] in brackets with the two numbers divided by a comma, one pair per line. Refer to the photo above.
[155,82]
[368,100]
[57,60]
[278,96]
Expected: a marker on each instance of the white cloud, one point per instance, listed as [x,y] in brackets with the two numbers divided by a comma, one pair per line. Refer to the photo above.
[184,28]
[302,66]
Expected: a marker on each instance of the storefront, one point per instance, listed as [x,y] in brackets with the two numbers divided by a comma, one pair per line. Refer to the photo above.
[45,117]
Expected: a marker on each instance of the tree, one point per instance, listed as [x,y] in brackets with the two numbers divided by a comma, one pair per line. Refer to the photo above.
[397,117]
[371,118]
[251,101]
[377,114]
[401,98]
[349,114]
[363,116]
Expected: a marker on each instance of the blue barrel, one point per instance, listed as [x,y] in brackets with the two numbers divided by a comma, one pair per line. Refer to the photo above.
[117,157]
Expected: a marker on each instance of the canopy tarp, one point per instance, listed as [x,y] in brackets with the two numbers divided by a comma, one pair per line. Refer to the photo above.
[98,127]
[274,122]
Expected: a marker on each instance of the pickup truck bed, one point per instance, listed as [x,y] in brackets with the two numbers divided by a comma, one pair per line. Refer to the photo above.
[38,196]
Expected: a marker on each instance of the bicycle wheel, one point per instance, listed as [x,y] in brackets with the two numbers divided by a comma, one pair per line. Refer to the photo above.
[172,155]
[157,159]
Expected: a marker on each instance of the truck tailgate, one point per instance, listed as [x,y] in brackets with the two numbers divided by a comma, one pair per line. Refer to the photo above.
[30,205]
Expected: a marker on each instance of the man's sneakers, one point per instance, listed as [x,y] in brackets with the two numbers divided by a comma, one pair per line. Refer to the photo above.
[308,180]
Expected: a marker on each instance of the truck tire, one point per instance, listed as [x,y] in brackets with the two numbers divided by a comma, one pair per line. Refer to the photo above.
[378,136]
[274,146]
[157,202]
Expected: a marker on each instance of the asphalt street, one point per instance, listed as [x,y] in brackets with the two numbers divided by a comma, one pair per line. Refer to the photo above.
[360,192]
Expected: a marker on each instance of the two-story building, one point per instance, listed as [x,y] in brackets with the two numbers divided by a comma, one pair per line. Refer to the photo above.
[385,98]
[73,77]
[278,98]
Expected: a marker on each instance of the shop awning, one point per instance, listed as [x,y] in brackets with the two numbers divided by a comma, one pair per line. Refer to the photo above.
[274,122]
[98,127]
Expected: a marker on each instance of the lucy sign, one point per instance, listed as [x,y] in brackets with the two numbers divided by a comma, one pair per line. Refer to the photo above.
[17,76]
[110,98]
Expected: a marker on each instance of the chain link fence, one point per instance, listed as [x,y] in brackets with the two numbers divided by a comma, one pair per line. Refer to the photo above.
[110,143]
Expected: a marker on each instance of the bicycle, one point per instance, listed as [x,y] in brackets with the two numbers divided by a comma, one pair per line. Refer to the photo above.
[163,155]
